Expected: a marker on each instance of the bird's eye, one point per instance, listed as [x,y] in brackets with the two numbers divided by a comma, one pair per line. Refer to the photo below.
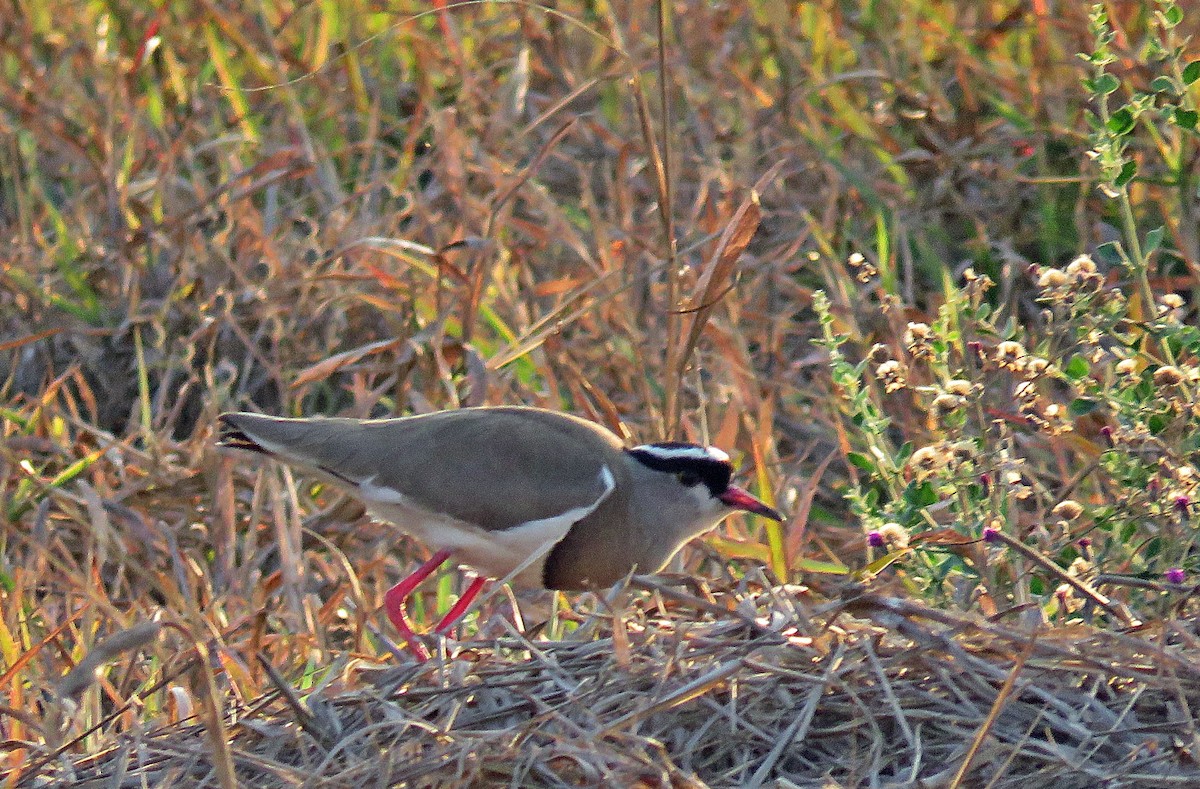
[688,479]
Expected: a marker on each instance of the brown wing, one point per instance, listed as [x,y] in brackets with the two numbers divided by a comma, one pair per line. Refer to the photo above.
[492,467]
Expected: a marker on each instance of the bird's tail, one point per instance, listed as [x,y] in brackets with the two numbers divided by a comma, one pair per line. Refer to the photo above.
[324,446]
[232,436]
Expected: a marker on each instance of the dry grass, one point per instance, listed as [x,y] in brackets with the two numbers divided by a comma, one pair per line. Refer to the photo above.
[368,210]
[867,691]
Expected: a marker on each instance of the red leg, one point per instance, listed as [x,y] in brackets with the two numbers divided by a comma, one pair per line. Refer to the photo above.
[394,599]
[459,609]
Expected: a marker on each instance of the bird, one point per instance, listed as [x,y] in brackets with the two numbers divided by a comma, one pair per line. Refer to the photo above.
[542,498]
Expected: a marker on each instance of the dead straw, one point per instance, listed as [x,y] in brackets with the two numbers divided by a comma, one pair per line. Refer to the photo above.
[893,695]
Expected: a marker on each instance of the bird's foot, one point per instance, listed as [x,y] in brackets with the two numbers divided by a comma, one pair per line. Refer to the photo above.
[395,598]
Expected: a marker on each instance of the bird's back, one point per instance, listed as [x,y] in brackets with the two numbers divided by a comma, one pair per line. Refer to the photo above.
[494,468]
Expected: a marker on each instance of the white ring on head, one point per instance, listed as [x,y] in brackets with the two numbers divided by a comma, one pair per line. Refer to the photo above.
[683,453]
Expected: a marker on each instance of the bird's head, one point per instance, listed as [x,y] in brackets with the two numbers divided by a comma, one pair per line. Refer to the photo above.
[700,475]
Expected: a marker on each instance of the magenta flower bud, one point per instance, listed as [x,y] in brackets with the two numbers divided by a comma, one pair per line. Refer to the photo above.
[1183,505]
[1107,432]
[986,482]
[875,539]
[1175,575]
[990,535]
[1084,542]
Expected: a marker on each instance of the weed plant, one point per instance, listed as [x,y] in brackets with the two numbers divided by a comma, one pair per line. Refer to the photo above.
[1042,450]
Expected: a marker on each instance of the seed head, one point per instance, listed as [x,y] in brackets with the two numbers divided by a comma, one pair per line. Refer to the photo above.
[946,403]
[1009,354]
[917,339]
[1067,509]
[1168,375]
[1083,278]
[1033,366]
[1081,266]
[962,451]
[864,269]
[957,386]
[927,459]
[1052,279]
[1025,392]
[879,353]
[977,284]
[894,535]
[891,375]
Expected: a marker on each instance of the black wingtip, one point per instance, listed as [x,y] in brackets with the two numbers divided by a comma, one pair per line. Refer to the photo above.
[230,436]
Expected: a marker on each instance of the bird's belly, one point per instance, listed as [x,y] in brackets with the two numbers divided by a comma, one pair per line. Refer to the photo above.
[496,554]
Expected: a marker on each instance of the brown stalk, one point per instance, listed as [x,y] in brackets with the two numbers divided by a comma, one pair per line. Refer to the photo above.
[994,713]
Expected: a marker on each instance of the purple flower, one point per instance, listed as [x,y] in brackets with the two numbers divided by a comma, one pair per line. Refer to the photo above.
[875,539]
[1175,575]
[991,535]
[1182,505]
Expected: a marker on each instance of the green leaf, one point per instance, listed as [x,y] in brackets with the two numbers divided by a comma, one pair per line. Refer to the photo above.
[1186,118]
[1103,85]
[1082,406]
[1154,239]
[818,566]
[877,566]
[922,495]
[859,460]
[1162,84]
[1187,338]
[1172,15]
[1077,368]
[1191,72]
[1121,122]
[742,550]
[1109,253]
[1128,171]
[16,418]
